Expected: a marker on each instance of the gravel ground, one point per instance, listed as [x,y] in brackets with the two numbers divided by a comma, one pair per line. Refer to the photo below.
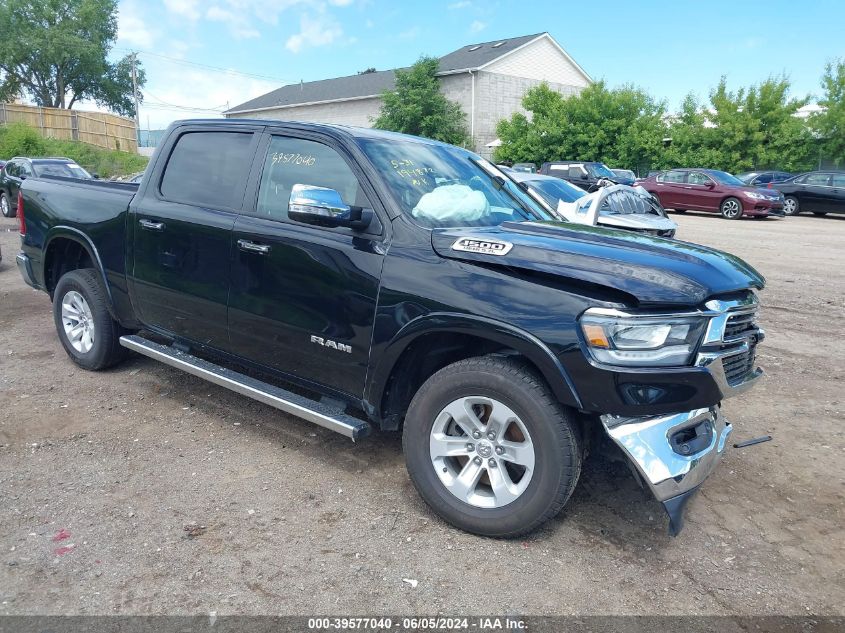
[101,473]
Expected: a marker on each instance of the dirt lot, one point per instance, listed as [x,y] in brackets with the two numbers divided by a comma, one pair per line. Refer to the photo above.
[299,520]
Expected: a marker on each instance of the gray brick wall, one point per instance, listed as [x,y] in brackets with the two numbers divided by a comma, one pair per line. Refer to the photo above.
[497,97]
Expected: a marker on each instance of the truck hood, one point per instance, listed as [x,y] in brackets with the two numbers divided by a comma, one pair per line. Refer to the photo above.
[653,270]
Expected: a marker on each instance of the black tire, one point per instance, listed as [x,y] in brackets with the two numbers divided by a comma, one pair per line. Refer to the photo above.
[731,208]
[819,212]
[788,201]
[105,350]
[555,437]
[6,207]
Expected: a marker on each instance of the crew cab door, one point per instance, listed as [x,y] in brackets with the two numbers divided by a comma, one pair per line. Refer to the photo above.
[303,297]
[180,229]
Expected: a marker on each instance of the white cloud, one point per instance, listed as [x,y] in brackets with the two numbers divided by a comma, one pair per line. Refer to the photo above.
[410,34]
[340,3]
[196,88]
[185,8]
[314,32]
[461,4]
[477,26]
[131,28]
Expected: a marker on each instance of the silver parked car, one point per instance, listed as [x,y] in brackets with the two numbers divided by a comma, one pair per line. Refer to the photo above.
[611,206]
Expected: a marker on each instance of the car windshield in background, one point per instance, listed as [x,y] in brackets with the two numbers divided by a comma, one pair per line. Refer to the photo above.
[65,170]
[725,178]
[600,171]
[442,186]
[748,176]
[555,190]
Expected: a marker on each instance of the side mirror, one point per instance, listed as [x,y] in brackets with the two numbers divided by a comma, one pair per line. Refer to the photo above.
[709,184]
[323,206]
[95,175]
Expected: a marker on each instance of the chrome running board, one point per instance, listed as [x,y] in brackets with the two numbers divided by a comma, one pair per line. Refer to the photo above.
[328,417]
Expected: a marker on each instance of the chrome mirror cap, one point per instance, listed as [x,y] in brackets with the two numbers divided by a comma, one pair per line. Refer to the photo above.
[320,201]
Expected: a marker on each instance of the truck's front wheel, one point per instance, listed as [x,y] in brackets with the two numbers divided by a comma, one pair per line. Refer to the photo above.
[489,449]
[86,329]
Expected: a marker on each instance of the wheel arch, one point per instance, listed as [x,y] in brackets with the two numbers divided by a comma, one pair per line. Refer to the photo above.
[429,343]
[66,249]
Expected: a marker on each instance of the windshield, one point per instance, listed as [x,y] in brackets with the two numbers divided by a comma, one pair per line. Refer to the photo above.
[600,170]
[440,185]
[725,178]
[65,170]
[747,176]
[554,189]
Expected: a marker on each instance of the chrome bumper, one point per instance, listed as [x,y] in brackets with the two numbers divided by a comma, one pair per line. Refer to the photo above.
[25,268]
[673,454]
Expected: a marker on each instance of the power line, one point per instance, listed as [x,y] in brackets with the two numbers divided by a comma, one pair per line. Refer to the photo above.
[227,71]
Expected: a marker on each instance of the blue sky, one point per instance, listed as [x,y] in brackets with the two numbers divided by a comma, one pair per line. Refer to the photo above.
[668,48]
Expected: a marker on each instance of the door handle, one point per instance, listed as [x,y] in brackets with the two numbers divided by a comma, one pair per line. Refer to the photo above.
[151,226]
[252,247]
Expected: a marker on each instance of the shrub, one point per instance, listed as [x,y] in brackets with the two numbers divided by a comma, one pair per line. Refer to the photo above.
[19,139]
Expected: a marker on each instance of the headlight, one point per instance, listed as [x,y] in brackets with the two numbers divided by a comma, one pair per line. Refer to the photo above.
[754,195]
[641,341]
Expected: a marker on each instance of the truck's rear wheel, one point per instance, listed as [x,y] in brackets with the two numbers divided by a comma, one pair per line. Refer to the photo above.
[86,329]
[489,448]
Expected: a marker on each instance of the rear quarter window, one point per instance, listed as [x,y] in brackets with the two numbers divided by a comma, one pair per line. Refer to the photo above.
[208,169]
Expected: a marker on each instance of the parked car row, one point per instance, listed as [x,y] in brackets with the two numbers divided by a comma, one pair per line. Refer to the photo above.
[19,168]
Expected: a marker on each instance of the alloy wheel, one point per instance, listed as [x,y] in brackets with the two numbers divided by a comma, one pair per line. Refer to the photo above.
[789,206]
[731,209]
[78,322]
[482,452]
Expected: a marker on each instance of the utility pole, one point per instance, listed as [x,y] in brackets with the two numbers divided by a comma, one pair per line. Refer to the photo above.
[133,57]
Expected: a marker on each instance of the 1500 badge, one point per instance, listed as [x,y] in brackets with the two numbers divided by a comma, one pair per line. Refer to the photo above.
[482,246]
[340,347]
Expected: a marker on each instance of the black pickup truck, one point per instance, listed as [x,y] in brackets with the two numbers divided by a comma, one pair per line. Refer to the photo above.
[360,279]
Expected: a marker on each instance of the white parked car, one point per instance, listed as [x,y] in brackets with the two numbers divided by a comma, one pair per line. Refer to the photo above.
[611,206]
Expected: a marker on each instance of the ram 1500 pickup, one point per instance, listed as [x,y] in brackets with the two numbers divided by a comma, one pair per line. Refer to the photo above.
[362,279]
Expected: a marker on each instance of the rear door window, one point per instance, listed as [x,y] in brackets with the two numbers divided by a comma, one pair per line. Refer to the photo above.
[817,179]
[208,169]
[672,177]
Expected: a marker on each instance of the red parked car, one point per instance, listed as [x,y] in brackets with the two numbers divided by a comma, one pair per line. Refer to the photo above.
[712,190]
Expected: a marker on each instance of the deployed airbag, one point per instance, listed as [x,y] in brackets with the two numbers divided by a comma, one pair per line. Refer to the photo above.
[452,203]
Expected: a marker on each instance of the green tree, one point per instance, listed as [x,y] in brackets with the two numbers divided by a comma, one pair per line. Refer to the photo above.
[56,52]
[418,107]
[830,123]
[753,128]
[622,126]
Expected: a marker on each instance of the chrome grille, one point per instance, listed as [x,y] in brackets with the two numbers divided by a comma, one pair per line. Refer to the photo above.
[739,324]
[738,366]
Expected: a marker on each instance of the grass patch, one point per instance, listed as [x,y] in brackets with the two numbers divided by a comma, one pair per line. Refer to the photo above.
[19,139]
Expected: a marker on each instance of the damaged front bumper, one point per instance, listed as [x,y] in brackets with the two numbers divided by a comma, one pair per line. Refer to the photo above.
[673,454]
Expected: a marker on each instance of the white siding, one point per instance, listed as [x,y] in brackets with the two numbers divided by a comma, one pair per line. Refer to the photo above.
[358,113]
[541,60]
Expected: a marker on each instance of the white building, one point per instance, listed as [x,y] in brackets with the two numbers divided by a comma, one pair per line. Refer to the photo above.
[488,80]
